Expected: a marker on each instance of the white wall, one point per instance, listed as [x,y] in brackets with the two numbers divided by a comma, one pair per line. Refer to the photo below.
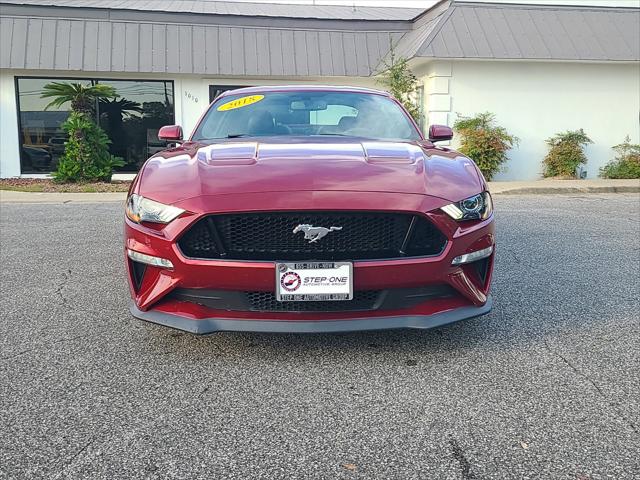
[9,146]
[535,100]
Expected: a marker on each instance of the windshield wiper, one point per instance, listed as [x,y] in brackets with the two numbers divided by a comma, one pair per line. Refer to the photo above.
[237,135]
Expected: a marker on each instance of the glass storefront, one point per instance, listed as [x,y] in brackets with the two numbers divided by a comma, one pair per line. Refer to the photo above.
[131,121]
[41,136]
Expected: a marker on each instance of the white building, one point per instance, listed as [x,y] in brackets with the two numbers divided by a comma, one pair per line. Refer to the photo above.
[540,69]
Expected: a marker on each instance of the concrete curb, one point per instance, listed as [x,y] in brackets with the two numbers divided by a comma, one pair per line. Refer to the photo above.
[537,187]
[567,190]
[9,196]
[552,187]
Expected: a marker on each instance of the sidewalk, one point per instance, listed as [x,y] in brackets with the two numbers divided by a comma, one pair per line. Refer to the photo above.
[496,188]
[565,186]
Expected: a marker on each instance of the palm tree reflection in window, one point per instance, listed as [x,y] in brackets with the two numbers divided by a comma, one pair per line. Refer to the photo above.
[114,113]
[133,128]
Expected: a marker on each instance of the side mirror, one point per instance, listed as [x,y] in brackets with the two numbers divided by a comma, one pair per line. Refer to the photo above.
[440,133]
[170,133]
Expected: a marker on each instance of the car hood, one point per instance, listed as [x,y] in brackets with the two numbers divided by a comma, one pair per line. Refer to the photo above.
[285,164]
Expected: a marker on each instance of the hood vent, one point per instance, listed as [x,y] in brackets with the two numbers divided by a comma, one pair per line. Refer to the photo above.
[244,153]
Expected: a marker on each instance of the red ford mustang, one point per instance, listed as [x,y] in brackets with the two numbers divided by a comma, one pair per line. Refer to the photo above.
[308,209]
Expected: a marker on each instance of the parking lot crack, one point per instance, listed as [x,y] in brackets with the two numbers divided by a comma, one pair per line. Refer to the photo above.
[61,285]
[614,407]
[459,455]
[73,458]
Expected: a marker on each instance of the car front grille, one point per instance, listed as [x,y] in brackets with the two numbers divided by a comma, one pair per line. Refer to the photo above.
[363,300]
[269,236]
[266,302]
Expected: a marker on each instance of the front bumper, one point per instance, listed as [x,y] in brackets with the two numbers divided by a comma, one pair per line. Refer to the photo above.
[205,326]
[154,301]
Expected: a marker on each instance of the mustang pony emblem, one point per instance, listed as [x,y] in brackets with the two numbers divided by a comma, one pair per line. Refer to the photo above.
[313,234]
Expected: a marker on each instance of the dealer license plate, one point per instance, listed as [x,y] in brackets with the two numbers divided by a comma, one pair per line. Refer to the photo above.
[309,281]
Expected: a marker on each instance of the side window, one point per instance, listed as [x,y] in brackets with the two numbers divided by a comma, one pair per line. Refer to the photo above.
[332,115]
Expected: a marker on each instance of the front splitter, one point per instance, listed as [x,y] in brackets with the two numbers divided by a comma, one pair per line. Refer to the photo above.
[211,325]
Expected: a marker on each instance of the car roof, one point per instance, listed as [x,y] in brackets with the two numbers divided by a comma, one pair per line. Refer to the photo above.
[304,88]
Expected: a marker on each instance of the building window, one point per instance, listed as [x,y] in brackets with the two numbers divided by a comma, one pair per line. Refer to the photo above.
[216,90]
[131,121]
[41,135]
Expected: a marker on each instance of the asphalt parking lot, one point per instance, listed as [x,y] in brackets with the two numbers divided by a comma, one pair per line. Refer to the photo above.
[546,386]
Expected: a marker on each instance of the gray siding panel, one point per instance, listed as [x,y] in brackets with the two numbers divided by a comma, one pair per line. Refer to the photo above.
[301,52]
[224,37]
[118,47]
[145,39]
[251,51]
[350,57]
[288,53]
[275,49]
[6,32]
[373,53]
[172,62]
[159,46]
[313,53]
[105,49]
[362,55]
[48,47]
[238,51]
[90,50]
[185,48]
[326,56]
[338,61]
[132,47]
[34,43]
[199,49]
[61,53]
[19,42]
[212,60]
[76,45]
[263,58]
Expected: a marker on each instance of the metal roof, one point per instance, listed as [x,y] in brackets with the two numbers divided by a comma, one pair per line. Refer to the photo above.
[215,7]
[105,46]
[508,31]
[65,37]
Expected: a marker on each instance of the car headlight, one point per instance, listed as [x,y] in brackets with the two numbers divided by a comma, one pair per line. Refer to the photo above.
[478,207]
[140,209]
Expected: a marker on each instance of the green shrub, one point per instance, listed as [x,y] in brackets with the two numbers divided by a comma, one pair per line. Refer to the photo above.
[86,154]
[565,154]
[401,83]
[484,142]
[626,163]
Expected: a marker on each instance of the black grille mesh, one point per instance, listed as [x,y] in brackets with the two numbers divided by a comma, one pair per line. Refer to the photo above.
[266,302]
[199,241]
[269,236]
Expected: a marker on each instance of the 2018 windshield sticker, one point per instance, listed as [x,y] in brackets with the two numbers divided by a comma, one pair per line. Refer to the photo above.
[240,102]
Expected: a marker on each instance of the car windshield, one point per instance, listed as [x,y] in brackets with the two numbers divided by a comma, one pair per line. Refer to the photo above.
[306,113]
